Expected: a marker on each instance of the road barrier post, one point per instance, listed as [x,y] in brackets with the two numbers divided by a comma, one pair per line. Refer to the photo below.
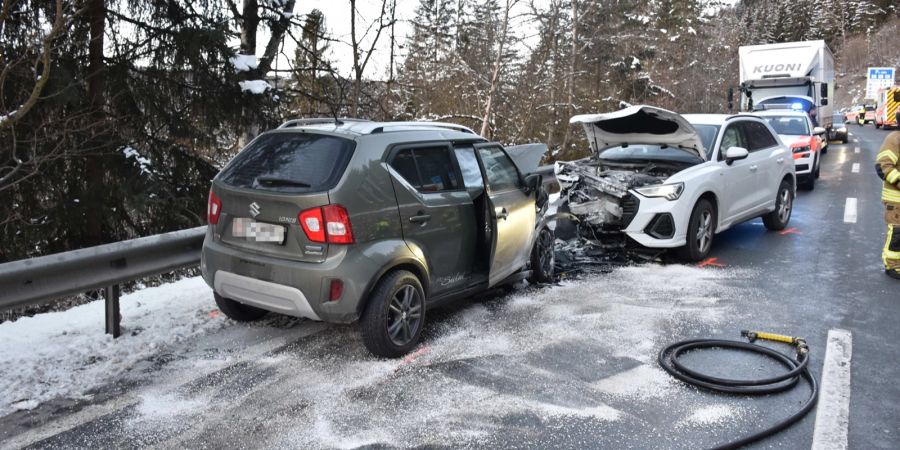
[113,316]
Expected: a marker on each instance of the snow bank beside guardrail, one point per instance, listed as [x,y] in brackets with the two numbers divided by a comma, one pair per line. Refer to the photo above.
[67,353]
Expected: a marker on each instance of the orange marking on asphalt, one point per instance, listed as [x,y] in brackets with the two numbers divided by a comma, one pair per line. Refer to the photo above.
[710,262]
[416,354]
[791,230]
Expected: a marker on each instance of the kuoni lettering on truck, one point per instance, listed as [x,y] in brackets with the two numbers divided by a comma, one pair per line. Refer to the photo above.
[790,75]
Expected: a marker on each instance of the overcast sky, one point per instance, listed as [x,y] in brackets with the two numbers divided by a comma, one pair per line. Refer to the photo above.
[337,20]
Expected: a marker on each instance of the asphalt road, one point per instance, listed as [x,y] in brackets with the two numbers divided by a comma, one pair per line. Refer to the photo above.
[570,366]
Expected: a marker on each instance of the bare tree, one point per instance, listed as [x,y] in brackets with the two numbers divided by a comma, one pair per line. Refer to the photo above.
[570,82]
[499,59]
[361,52]
[22,164]
[10,118]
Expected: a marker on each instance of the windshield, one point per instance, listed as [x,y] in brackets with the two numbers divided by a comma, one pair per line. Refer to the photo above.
[650,152]
[789,125]
[707,135]
[838,118]
[290,162]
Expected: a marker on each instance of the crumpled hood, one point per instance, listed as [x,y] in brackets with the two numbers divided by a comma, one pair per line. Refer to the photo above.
[527,157]
[639,124]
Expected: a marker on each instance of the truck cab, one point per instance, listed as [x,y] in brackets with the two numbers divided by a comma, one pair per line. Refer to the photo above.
[789,74]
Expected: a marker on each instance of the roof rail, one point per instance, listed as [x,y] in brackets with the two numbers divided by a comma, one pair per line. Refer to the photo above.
[741,115]
[318,121]
[401,125]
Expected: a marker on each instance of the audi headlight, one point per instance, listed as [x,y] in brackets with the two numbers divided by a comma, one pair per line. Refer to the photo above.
[842,130]
[669,191]
[801,149]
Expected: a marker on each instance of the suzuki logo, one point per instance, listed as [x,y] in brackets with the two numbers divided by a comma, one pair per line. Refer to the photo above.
[254,209]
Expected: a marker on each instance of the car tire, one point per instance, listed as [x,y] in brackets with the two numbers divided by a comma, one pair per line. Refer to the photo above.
[238,311]
[543,257]
[844,140]
[697,247]
[807,183]
[818,167]
[778,219]
[394,316]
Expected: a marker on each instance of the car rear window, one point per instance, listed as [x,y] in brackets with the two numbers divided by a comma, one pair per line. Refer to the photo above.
[290,162]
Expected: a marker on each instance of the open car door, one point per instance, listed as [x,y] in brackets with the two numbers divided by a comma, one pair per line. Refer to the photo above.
[511,212]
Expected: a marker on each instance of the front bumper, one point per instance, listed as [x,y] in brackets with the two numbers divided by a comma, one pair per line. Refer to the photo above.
[804,166]
[651,218]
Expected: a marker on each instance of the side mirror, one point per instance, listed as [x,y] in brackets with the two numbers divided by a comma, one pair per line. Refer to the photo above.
[735,153]
[824,102]
[533,182]
[818,131]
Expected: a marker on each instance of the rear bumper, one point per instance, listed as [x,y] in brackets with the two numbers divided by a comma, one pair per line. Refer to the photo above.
[263,294]
[292,287]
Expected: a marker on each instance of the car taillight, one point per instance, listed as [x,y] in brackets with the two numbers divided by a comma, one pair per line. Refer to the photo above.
[213,208]
[327,224]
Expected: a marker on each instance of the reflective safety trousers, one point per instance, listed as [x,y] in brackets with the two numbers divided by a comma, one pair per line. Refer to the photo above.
[891,253]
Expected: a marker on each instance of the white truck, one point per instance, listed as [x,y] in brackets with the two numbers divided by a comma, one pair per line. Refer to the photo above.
[790,75]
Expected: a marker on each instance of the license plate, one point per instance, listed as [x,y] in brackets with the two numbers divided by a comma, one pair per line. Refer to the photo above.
[257,231]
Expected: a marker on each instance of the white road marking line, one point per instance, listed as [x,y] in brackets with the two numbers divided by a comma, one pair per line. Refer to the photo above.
[833,410]
[850,210]
[855,168]
[856,150]
[856,140]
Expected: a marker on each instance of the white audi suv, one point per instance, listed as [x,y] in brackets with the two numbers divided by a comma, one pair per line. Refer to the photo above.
[666,181]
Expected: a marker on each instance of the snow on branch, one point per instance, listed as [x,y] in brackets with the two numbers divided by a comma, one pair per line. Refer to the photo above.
[255,86]
[244,63]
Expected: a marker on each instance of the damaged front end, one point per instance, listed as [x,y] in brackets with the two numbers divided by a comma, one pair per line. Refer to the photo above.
[632,149]
[596,205]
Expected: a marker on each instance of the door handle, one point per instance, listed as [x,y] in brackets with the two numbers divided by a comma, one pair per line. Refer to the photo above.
[502,213]
[421,218]
[753,168]
[780,160]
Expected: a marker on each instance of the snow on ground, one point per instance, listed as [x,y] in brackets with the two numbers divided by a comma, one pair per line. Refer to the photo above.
[545,353]
[712,414]
[582,353]
[67,353]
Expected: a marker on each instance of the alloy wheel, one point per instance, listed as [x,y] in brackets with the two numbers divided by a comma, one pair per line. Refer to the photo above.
[404,315]
[784,205]
[704,230]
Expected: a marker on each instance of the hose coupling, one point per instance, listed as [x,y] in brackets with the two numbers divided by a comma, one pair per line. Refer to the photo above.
[754,335]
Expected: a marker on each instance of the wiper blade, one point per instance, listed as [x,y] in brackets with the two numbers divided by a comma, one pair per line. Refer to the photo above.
[275,181]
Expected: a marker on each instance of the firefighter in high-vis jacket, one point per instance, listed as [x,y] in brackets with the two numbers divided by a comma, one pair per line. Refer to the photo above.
[888,168]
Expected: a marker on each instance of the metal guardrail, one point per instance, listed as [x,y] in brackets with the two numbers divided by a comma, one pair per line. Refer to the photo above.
[43,279]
